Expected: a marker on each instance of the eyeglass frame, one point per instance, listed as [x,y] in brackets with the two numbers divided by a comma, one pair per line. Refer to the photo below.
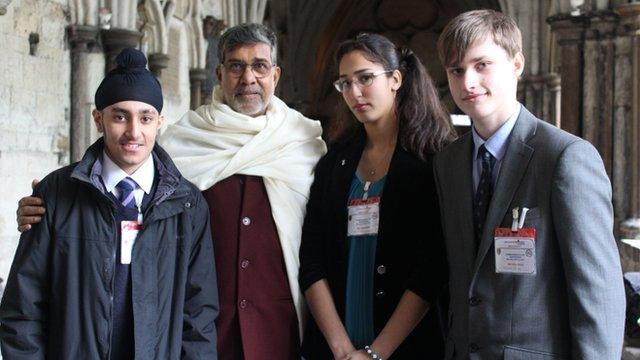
[336,84]
[244,68]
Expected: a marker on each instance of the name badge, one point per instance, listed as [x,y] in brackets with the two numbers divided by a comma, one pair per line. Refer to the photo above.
[515,251]
[129,232]
[364,216]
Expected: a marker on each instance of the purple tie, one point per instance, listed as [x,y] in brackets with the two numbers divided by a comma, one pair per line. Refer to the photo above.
[126,187]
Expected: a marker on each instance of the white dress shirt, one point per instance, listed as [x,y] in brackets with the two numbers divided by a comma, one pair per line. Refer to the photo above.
[112,174]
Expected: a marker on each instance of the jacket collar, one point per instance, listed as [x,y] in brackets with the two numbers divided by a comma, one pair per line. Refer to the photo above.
[87,170]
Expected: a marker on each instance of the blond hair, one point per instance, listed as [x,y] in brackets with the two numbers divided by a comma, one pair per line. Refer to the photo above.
[472,26]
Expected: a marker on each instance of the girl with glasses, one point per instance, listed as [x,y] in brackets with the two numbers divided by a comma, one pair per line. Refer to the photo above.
[372,256]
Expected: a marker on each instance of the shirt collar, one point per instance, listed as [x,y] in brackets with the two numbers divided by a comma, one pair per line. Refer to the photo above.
[112,174]
[497,143]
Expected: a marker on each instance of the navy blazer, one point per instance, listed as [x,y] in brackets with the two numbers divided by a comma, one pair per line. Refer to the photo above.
[410,251]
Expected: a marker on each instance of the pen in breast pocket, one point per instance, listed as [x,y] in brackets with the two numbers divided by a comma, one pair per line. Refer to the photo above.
[523,215]
[514,223]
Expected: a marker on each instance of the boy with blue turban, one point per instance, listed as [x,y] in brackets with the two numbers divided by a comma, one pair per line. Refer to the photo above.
[122,264]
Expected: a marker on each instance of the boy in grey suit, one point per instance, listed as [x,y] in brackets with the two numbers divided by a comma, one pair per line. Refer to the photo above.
[550,285]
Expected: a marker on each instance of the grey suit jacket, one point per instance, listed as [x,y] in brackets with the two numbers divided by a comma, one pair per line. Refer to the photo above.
[574,306]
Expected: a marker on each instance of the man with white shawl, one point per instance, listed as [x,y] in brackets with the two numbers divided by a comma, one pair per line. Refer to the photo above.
[253,158]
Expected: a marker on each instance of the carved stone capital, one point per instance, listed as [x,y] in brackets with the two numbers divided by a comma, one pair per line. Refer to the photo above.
[197,75]
[550,81]
[593,24]
[84,38]
[629,18]
[114,40]
[157,63]
[630,228]
[602,24]
[569,28]
[4,4]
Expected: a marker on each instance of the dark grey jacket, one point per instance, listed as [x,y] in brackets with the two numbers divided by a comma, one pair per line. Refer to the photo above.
[58,299]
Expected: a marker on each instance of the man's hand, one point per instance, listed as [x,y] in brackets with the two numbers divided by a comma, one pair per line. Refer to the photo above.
[30,210]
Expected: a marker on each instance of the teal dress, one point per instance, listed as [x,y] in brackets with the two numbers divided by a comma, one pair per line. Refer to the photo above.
[362,256]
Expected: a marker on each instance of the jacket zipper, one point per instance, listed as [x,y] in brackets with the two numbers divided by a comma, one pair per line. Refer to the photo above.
[113,274]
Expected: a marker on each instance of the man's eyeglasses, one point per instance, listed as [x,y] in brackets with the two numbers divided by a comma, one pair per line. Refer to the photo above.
[362,80]
[260,69]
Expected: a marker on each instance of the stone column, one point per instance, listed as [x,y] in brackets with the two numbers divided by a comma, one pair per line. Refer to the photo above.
[158,62]
[541,95]
[596,79]
[197,78]
[598,84]
[587,52]
[87,69]
[115,40]
[569,33]
[627,116]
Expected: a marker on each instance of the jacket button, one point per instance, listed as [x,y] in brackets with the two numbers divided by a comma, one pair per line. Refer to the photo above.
[380,294]
[244,264]
[473,347]
[246,221]
[474,301]
[243,304]
[381,269]
[187,204]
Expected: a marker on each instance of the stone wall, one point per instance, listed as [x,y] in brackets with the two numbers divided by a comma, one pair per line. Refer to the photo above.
[34,105]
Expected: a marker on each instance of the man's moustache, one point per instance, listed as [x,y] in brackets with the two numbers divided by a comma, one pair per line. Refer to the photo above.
[249,91]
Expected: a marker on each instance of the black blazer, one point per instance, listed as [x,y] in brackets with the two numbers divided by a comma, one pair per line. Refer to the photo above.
[410,250]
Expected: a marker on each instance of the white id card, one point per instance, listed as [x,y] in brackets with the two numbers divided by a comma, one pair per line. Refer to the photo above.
[515,251]
[129,232]
[364,216]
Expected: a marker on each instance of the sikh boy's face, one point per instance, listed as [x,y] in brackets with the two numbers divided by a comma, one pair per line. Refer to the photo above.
[484,84]
[129,129]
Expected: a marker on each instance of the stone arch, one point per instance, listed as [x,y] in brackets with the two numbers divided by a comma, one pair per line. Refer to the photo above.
[311,39]
[241,11]
[124,13]
[84,12]
[153,26]
[197,46]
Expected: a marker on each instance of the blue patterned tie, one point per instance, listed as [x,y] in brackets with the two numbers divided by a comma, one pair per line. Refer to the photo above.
[126,187]
[483,193]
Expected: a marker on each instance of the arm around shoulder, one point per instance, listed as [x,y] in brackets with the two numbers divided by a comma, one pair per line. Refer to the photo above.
[583,218]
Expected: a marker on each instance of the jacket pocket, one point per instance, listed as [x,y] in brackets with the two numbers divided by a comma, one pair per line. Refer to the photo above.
[515,353]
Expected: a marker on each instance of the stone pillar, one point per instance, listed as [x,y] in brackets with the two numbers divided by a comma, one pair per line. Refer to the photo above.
[596,51]
[158,62]
[587,52]
[541,95]
[551,104]
[212,28]
[115,40]
[627,116]
[569,33]
[197,79]
[598,84]
[87,70]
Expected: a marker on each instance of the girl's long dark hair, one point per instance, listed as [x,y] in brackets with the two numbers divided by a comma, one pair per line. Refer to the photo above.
[424,125]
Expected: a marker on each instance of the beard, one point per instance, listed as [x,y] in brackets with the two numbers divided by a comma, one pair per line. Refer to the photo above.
[249,100]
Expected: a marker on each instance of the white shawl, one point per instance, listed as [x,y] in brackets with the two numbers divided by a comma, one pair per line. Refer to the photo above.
[282,147]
